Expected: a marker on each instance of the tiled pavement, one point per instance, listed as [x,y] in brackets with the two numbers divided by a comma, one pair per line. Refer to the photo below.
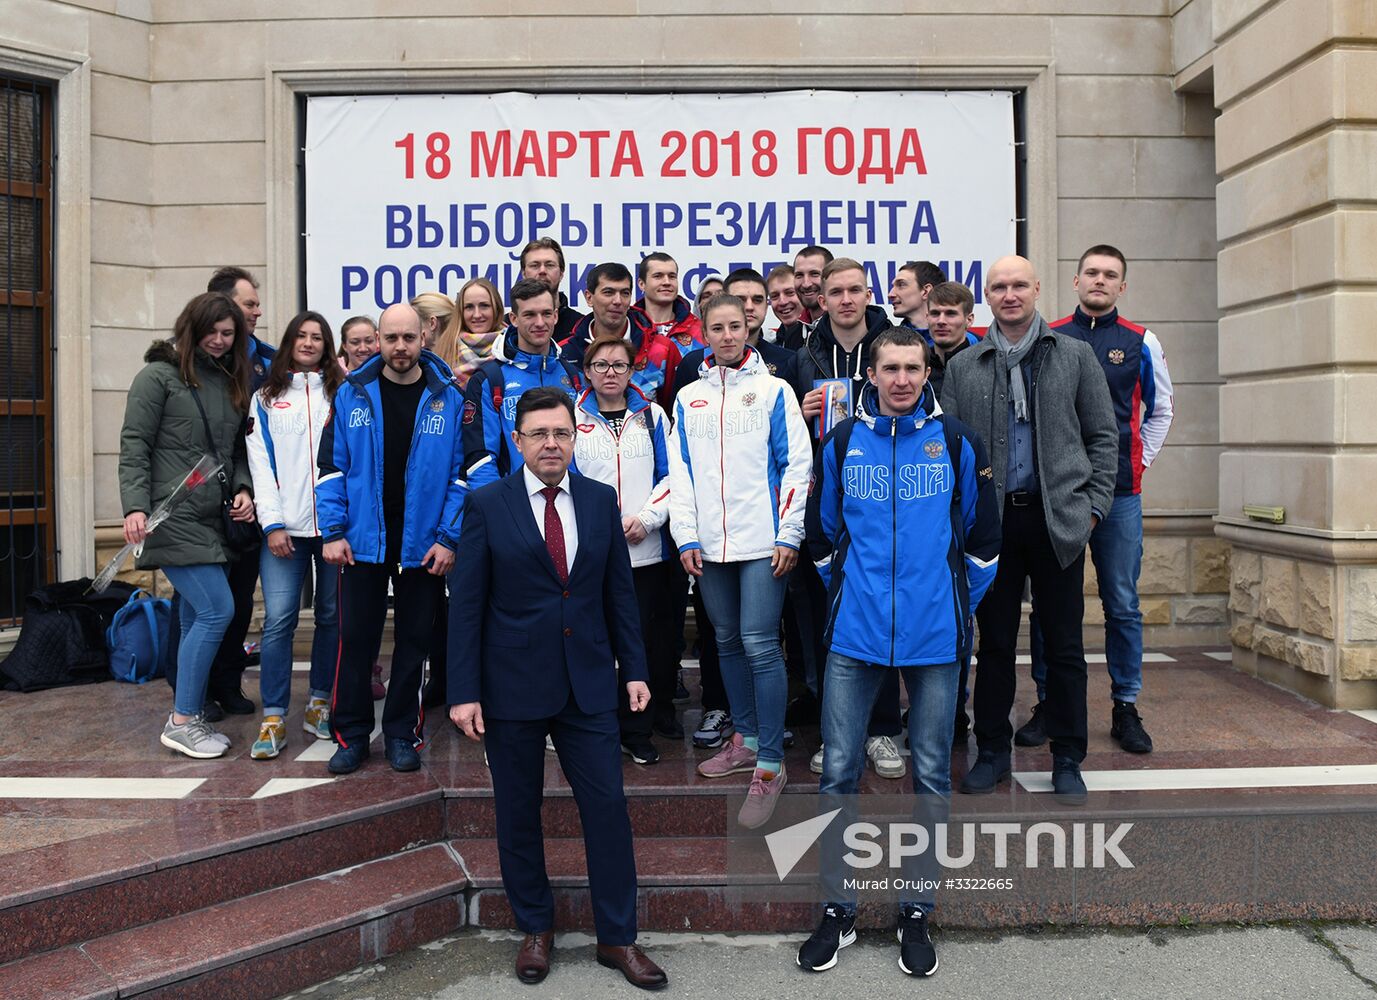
[1255,804]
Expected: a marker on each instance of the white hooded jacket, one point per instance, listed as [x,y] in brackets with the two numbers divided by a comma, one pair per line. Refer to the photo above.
[739,462]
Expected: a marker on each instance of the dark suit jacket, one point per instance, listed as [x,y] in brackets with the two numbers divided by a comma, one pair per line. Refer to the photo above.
[519,640]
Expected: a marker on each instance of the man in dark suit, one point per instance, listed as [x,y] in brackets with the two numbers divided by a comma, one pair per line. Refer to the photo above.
[544,609]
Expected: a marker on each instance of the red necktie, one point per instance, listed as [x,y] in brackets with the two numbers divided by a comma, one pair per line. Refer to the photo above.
[554,534]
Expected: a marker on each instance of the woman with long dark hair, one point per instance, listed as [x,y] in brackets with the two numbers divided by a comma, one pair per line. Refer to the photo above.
[290,412]
[190,399]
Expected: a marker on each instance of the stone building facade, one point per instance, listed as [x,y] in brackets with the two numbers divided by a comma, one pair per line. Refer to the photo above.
[177,124]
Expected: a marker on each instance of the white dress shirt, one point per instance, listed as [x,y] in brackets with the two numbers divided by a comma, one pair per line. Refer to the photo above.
[564,507]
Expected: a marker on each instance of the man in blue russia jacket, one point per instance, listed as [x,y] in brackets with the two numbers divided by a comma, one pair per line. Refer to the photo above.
[388,503]
[522,359]
[546,622]
[902,505]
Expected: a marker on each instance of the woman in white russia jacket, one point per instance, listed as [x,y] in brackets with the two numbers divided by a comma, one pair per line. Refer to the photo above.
[621,439]
[739,468]
[287,417]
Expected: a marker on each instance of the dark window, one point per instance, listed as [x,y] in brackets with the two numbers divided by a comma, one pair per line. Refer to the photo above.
[27,528]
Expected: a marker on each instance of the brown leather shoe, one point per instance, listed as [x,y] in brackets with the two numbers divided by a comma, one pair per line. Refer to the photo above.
[632,963]
[533,959]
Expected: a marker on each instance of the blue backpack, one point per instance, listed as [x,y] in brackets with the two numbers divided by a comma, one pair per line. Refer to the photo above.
[138,638]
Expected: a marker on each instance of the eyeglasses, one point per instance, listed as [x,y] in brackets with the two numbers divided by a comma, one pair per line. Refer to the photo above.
[603,367]
[561,434]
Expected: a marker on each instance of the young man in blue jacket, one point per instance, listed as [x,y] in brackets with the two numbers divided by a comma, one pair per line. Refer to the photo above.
[523,358]
[389,500]
[902,510]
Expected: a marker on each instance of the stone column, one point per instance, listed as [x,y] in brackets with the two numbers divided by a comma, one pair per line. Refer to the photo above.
[1296,85]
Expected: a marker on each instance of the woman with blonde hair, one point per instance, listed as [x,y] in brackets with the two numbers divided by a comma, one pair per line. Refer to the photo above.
[468,342]
[437,315]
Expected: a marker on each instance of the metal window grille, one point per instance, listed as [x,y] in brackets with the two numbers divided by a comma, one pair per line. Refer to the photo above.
[27,523]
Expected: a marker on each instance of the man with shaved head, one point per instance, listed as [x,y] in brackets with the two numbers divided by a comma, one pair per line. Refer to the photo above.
[388,502]
[1040,402]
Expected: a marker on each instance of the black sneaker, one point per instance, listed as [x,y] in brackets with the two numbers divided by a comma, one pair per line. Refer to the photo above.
[1032,733]
[232,700]
[402,755]
[641,751]
[212,712]
[917,956]
[1128,729]
[347,760]
[666,723]
[1068,787]
[835,932]
[990,769]
[681,693]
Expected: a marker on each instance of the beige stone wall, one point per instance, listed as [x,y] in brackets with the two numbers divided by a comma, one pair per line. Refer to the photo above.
[190,147]
[1296,83]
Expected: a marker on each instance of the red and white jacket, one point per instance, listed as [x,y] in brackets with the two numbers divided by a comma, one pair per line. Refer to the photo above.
[739,462]
[282,448]
[635,463]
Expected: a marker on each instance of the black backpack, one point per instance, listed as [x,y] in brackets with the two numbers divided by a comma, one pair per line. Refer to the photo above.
[62,640]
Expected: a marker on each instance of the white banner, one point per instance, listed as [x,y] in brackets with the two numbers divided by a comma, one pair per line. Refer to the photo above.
[413,193]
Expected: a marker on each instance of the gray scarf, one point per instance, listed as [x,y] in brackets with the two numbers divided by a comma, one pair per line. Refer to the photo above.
[1014,356]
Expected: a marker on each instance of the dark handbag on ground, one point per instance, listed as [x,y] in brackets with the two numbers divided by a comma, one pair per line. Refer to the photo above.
[62,640]
[240,536]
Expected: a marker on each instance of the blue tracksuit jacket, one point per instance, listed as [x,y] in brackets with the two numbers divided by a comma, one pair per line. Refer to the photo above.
[913,537]
[349,496]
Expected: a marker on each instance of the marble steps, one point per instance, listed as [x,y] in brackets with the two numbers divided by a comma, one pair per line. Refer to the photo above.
[264,944]
[216,856]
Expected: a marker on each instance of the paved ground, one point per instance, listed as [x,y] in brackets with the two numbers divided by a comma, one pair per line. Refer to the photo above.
[1330,961]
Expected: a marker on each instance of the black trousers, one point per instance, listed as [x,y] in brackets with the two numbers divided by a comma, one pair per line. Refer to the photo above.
[655,598]
[227,670]
[712,694]
[592,764]
[417,597]
[1027,553]
[439,652]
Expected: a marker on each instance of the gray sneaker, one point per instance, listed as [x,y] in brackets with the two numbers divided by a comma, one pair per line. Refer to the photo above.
[215,734]
[884,757]
[192,738]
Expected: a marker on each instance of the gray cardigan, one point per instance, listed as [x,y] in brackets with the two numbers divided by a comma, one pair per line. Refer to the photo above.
[1075,435]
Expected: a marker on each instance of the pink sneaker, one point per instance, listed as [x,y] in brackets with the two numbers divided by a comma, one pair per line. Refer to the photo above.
[734,758]
[379,692]
[761,798]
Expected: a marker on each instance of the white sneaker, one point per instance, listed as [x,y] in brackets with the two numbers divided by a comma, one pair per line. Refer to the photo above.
[815,765]
[884,757]
[192,738]
[549,743]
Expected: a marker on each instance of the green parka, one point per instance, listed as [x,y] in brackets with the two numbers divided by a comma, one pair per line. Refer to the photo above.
[163,437]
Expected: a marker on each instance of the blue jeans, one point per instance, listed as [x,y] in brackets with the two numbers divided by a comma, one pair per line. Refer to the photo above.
[282,579]
[1116,549]
[852,686]
[744,601]
[207,607]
